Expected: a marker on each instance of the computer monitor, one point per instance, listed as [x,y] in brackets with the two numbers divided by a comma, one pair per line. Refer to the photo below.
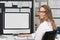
[15,22]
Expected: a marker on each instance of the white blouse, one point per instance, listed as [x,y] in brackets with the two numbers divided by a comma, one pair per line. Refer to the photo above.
[43,27]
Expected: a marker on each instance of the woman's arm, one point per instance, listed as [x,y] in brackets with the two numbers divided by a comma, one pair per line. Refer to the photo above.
[24,35]
[27,35]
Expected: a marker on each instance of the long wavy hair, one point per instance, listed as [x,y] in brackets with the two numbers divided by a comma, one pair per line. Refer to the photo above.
[48,16]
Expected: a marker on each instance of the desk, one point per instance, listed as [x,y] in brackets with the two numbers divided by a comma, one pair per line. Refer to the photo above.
[12,37]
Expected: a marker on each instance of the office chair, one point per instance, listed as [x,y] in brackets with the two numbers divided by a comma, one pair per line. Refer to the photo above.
[49,35]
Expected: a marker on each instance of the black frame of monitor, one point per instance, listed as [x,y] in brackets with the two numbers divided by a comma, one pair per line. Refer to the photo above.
[30,21]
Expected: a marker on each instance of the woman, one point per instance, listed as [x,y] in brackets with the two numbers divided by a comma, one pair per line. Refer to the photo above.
[46,23]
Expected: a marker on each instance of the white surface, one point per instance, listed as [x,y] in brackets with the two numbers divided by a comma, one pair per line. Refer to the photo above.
[57,21]
[2,1]
[16,20]
[58,37]
[8,4]
[16,31]
[3,38]
[11,10]
[54,3]
[15,2]
[19,3]
[11,37]
[25,10]
[56,12]
[25,4]
[7,37]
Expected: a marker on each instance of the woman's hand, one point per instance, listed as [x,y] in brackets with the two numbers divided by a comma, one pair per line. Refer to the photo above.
[24,35]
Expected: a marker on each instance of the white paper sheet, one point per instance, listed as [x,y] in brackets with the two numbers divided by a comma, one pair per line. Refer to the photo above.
[54,3]
[25,10]
[56,12]
[11,10]
[16,20]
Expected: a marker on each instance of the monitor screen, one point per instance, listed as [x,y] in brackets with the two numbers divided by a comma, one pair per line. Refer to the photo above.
[16,20]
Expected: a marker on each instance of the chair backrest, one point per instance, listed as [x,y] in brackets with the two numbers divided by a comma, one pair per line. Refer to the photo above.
[49,35]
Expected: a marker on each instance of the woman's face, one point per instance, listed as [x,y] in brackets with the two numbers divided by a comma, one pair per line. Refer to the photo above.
[42,13]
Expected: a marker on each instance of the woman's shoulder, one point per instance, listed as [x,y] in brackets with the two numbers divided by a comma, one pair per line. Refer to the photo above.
[47,26]
[44,23]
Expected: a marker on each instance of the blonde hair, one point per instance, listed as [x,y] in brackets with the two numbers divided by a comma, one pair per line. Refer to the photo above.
[48,16]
